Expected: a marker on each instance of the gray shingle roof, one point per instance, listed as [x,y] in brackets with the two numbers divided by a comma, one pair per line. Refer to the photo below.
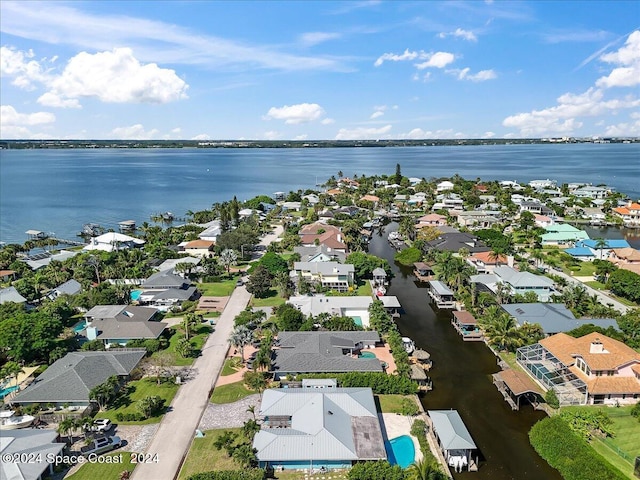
[334,424]
[72,377]
[304,352]
[165,279]
[121,312]
[552,317]
[31,443]
[70,287]
[10,294]
[324,268]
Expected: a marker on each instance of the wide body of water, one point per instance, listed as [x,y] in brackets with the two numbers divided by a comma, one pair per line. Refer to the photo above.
[462,381]
[60,190]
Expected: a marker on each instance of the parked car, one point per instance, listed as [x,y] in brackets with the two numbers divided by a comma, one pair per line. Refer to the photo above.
[239,283]
[100,425]
[101,445]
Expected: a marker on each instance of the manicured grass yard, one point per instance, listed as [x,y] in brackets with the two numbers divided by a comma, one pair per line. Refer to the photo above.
[392,403]
[203,456]
[197,337]
[228,367]
[104,471]
[625,440]
[596,285]
[584,269]
[218,289]
[135,391]
[230,393]
[364,289]
[272,300]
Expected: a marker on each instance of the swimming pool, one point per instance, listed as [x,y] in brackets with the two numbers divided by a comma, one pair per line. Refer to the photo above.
[6,391]
[367,355]
[79,327]
[400,451]
[135,295]
[357,321]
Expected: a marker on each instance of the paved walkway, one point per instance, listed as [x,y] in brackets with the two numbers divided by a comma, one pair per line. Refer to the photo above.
[173,439]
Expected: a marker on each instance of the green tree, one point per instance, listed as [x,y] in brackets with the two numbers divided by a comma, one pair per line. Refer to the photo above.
[274,263]
[184,348]
[240,337]
[259,282]
[378,470]
[425,470]
[66,427]
[227,258]
[397,178]
[226,441]
[289,318]
[150,405]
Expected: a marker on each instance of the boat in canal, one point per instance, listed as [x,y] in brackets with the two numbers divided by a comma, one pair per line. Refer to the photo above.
[408,345]
[10,421]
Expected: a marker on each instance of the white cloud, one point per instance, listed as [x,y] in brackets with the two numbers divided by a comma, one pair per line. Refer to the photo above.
[301,137]
[460,33]
[51,99]
[392,57]
[118,77]
[376,114]
[271,135]
[626,129]
[17,64]
[363,133]
[481,76]
[419,134]
[134,132]
[201,136]
[488,135]
[628,57]
[295,114]
[314,38]
[327,121]
[55,23]
[16,125]
[437,60]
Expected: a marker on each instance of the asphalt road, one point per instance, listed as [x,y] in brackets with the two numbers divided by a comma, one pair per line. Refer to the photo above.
[173,438]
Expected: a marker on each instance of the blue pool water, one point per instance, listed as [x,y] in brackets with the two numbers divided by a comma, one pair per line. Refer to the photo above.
[400,451]
[135,294]
[357,321]
[80,326]
[368,355]
[6,391]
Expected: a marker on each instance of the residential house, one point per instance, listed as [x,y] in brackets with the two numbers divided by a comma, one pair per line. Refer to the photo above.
[70,287]
[356,307]
[322,234]
[454,241]
[312,199]
[542,184]
[118,324]
[478,219]
[291,206]
[485,262]
[542,221]
[331,275]
[592,192]
[431,220]
[535,207]
[449,201]
[32,453]
[319,428]
[324,352]
[590,249]
[517,282]
[111,241]
[592,369]
[510,184]
[630,213]
[41,260]
[594,214]
[553,317]
[7,275]
[626,259]
[211,232]
[165,290]
[371,198]
[563,234]
[321,253]
[69,380]
[171,263]
[10,294]
[444,186]
[200,248]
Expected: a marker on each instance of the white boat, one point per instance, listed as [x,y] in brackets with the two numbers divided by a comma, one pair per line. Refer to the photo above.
[408,345]
[394,235]
[10,421]
[381,291]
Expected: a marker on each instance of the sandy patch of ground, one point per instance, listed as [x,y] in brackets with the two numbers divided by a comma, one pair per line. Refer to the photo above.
[395,425]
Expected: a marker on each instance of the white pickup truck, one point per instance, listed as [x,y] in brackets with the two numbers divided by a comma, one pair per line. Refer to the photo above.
[101,445]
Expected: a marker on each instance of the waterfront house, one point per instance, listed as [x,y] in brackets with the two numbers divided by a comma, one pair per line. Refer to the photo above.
[320,253]
[10,294]
[562,234]
[32,453]
[552,317]
[70,287]
[485,262]
[629,213]
[453,438]
[592,192]
[441,294]
[200,248]
[590,249]
[444,186]
[322,234]
[594,214]
[111,241]
[331,275]
[517,282]
[319,428]
[41,260]
[592,369]
[324,352]
[355,307]
[454,241]
[165,290]
[211,231]
[542,184]
[431,220]
[512,184]
[626,258]
[69,380]
[118,324]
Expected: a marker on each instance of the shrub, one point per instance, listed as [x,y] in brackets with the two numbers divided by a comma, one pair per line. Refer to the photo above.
[380,383]
[635,411]
[552,399]
[249,474]
[380,470]
[564,450]
[129,417]
[408,256]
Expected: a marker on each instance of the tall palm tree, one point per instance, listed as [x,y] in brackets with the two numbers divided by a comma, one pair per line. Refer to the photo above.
[189,320]
[66,427]
[601,244]
[240,337]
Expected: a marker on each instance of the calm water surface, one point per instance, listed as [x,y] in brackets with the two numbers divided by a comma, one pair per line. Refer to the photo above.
[462,381]
[60,190]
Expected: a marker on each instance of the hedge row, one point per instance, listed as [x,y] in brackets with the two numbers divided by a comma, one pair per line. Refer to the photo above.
[250,474]
[379,382]
[564,450]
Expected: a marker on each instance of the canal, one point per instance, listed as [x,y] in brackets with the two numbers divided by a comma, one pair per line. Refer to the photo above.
[461,377]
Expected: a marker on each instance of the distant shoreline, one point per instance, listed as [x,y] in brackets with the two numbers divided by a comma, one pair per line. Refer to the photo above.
[92,144]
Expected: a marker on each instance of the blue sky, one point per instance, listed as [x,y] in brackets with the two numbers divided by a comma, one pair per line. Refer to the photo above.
[319,70]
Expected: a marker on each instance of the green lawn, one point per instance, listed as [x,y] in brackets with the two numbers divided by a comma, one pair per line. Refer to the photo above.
[364,289]
[203,456]
[197,337]
[584,269]
[622,448]
[228,368]
[135,391]
[230,393]
[104,471]
[272,300]
[218,289]
[392,403]
[596,285]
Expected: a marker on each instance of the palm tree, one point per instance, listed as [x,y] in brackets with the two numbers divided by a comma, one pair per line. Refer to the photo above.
[94,262]
[66,427]
[240,337]
[601,244]
[425,470]
[189,320]
[252,410]
[12,369]
[503,332]
[227,258]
